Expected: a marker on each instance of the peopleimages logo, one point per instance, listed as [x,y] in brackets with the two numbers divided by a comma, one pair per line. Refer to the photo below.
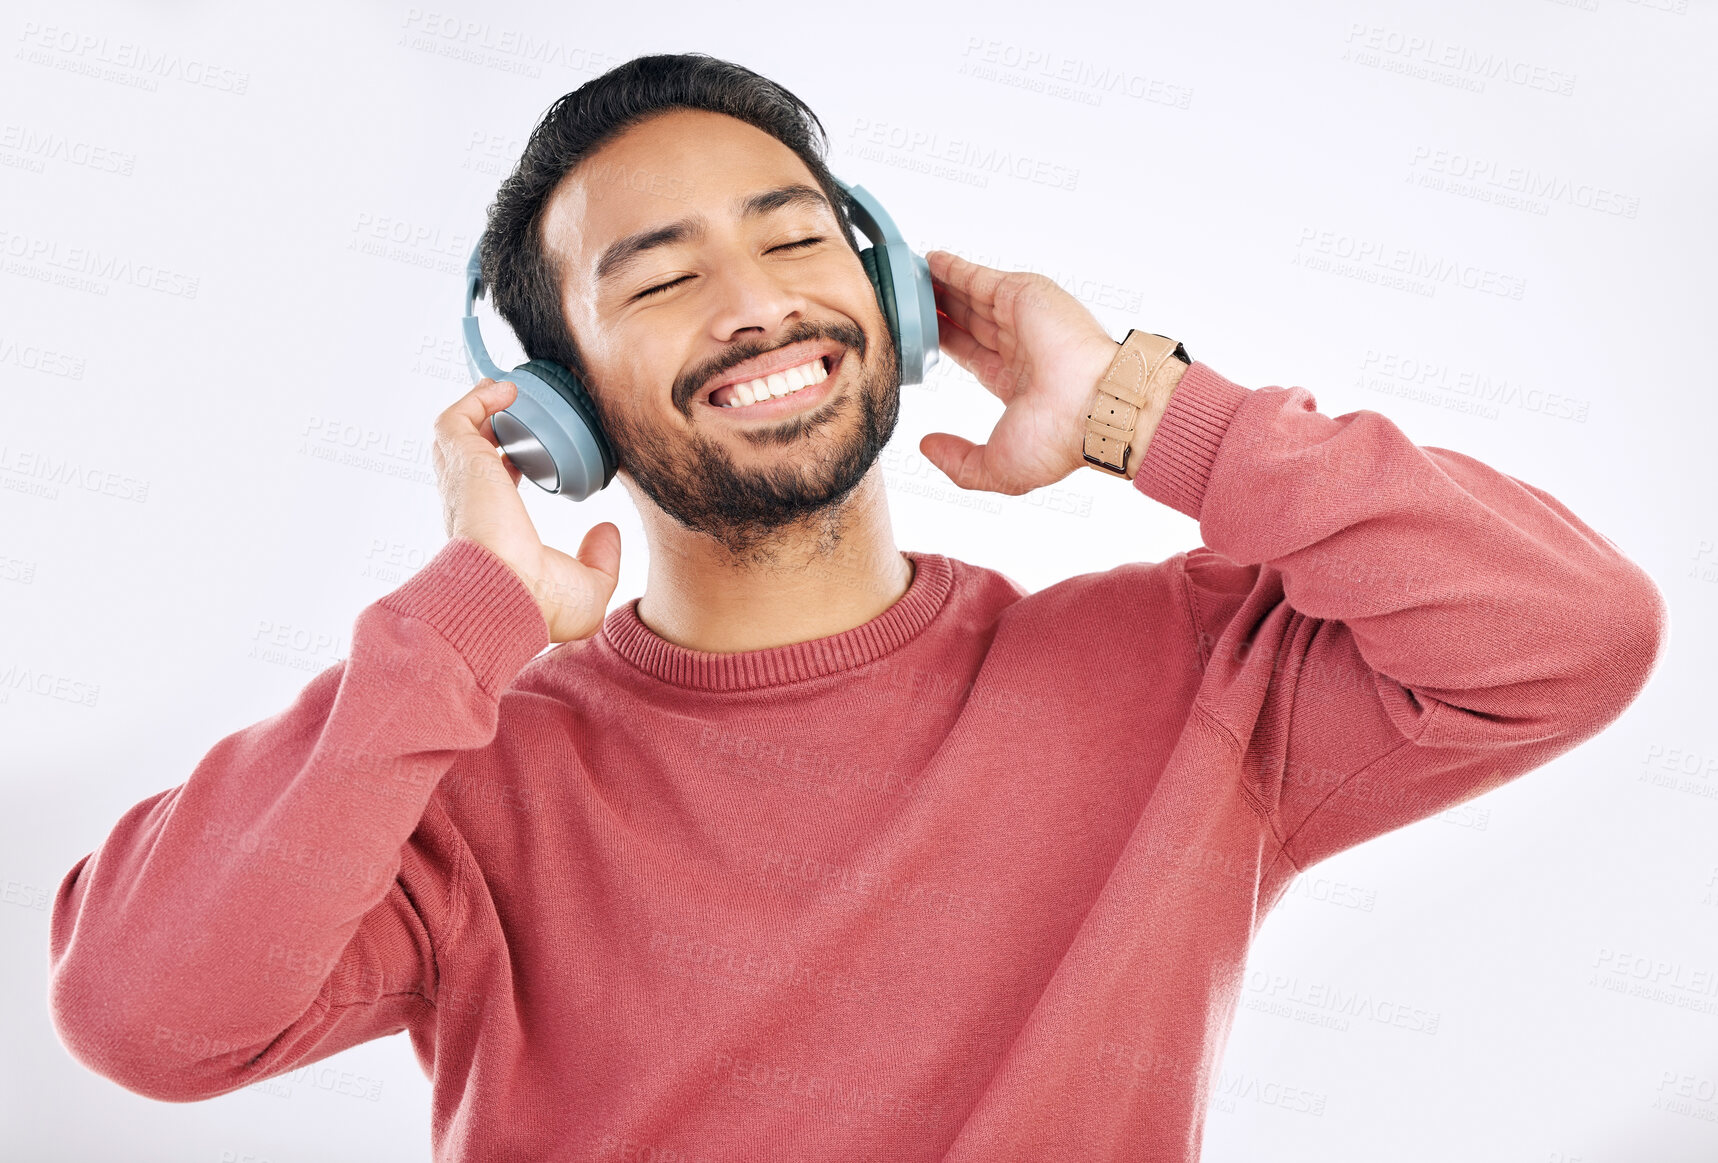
[31,470]
[515,50]
[1463,388]
[1375,261]
[36,358]
[66,689]
[1473,175]
[45,260]
[1428,58]
[123,62]
[920,148]
[1055,74]
[23,147]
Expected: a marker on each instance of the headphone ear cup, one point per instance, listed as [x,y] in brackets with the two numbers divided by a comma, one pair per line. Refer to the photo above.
[567,384]
[550,432]
[884,285]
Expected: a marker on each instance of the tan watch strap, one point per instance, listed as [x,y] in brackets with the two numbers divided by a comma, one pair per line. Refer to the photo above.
[1116,401]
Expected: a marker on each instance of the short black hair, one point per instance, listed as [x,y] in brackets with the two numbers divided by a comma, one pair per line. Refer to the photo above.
[522,277]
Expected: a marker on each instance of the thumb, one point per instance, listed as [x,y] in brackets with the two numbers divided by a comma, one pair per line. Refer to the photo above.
[600,550]
[960,459]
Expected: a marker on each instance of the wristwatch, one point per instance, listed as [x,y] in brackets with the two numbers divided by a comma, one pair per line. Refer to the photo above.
[1134,376]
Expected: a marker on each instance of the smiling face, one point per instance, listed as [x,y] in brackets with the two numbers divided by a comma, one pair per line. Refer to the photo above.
[696,252]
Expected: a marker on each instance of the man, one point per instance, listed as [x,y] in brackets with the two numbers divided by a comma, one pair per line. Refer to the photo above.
[822,850]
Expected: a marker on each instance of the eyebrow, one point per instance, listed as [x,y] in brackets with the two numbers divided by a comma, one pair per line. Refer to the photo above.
[622,255]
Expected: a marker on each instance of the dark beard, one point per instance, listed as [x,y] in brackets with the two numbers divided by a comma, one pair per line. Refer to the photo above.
[749,513]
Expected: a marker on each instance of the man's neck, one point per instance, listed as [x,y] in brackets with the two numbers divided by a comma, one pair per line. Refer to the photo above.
[813,582]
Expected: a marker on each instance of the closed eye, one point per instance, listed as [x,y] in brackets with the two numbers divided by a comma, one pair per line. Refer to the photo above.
[803,242]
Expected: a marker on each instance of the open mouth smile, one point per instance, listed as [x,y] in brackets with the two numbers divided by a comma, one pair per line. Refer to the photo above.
[803,386]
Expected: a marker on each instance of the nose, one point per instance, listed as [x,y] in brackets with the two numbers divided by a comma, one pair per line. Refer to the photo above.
[753,296]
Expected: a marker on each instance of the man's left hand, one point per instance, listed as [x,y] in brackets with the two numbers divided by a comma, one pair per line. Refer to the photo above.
[1034,347]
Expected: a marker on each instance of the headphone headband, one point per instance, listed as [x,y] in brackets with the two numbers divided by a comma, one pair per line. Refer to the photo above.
[476,355]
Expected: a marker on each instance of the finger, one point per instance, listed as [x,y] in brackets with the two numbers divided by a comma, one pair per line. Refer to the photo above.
[986,366]
[487,431]
[977,283]
[1007,294]
[974,322]
[467,415]
[512,470]
[464,435]
[948,293]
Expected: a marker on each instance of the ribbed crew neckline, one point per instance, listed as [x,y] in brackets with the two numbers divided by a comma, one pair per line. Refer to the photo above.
[628,636]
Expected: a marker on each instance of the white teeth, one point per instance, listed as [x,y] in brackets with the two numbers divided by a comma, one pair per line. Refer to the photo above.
[779,384]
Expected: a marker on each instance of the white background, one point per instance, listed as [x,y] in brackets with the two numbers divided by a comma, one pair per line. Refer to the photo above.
[228,316]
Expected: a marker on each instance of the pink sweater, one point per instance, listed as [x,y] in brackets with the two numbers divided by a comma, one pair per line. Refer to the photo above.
[973,881]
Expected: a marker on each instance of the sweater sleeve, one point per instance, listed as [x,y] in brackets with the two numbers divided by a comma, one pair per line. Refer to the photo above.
[286,901]
[1386,630]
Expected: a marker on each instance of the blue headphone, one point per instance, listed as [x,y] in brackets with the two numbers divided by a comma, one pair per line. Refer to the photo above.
[550,432]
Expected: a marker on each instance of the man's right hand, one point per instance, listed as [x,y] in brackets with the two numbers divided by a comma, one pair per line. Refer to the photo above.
[480,500]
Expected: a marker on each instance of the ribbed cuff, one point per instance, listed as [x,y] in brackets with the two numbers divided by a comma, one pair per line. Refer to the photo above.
[1177,464]
[474,600]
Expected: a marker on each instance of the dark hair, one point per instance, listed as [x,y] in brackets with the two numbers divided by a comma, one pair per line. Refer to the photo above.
[522,277]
